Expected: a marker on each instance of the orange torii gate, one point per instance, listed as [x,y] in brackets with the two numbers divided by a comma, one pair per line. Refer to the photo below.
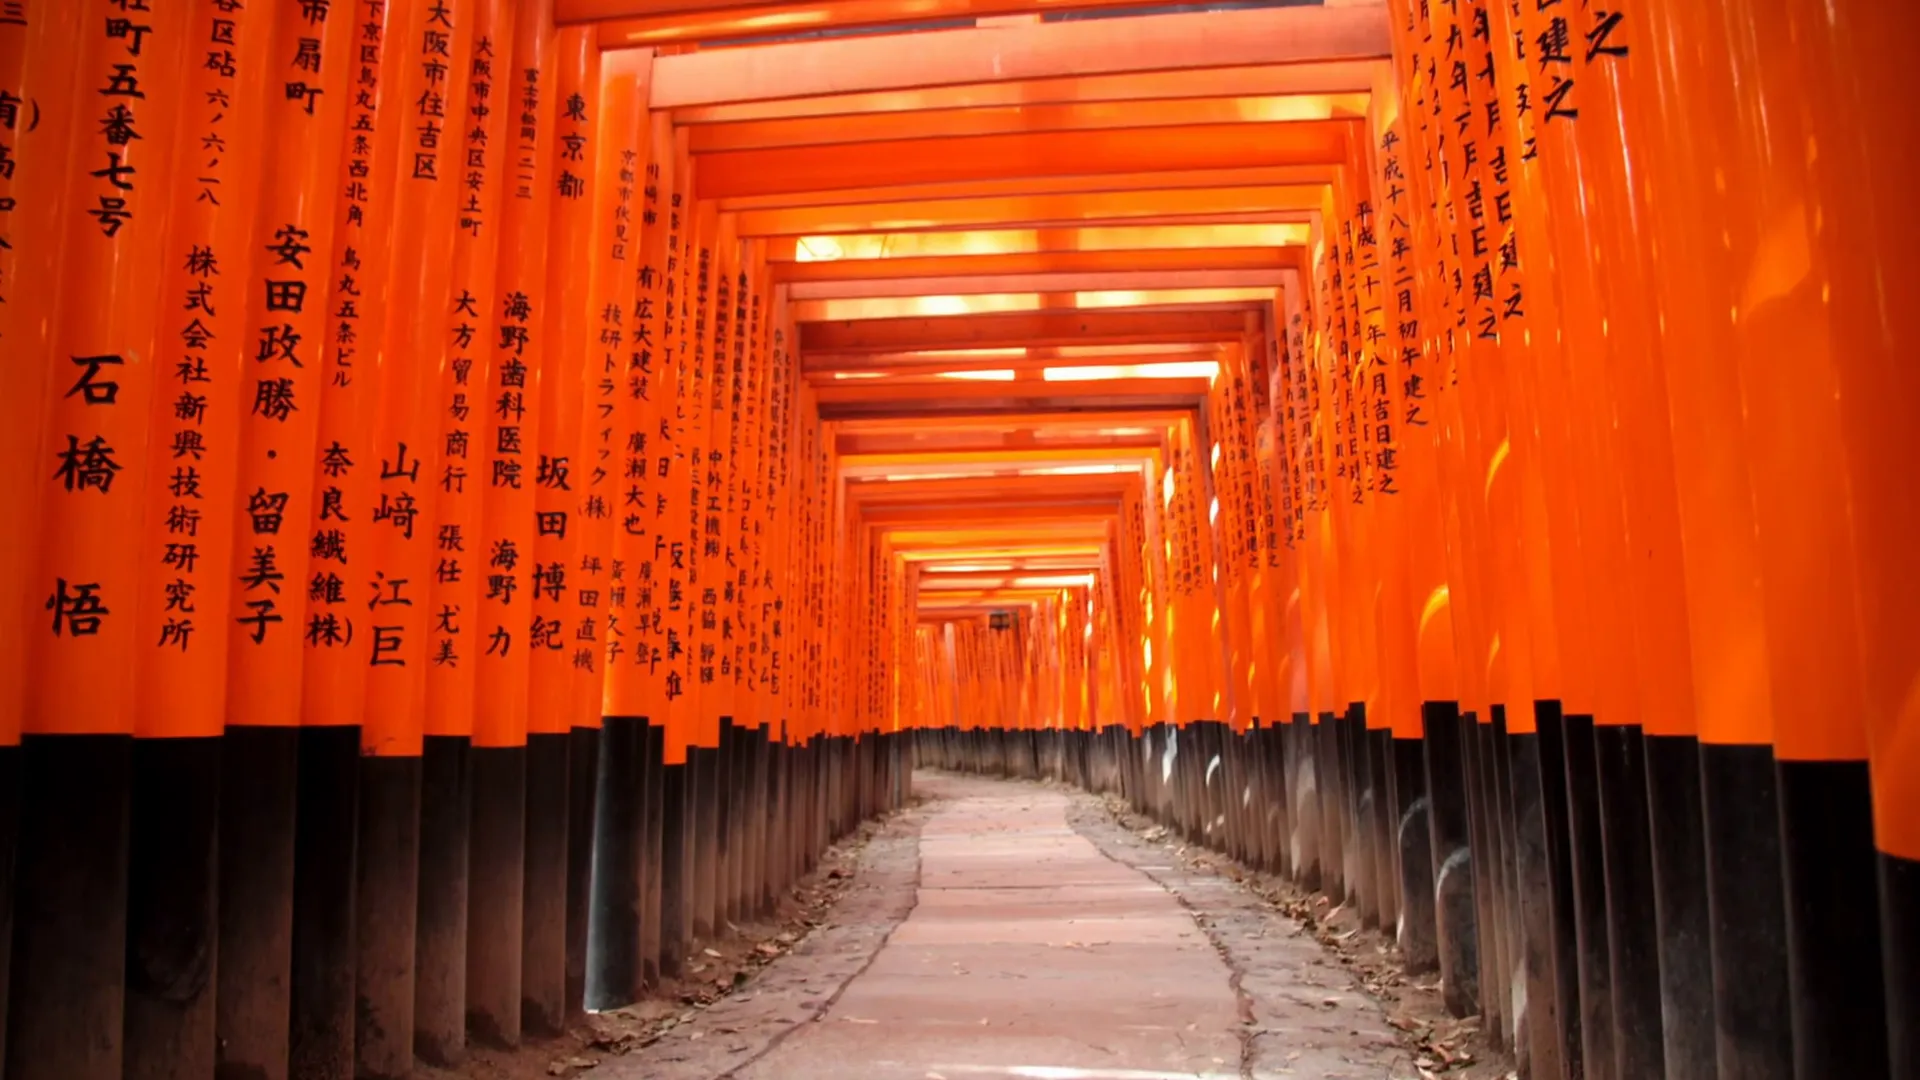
[499,485]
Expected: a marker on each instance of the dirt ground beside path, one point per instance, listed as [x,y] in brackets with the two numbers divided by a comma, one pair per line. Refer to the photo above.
[1300,965]
[743,989]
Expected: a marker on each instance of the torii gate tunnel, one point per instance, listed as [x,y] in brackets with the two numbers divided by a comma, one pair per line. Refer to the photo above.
[492,488]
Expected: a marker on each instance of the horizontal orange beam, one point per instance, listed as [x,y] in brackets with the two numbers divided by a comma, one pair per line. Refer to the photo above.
[1110,281]
[878,250]
[1162,260]
[1005,53]
[858,445]
[1257,176]
[1267,79]
[1001,423]
[1021,328]
[636,22]
[1032,361]
[995,490]
[886,307]
[988,157]
[930,553]
[1013,211]
[984,544]
[1030,518]
[836,405]
[1132,116]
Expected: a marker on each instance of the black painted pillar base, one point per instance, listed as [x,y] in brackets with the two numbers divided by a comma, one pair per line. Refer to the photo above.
[1418,933]
[440,931]
[676,870]
[9,845]
[1633,940]
[1551,720]
[583,758]
[1589,897]
[1538,1024]
[1334,880]
[496,878]
[726,824]
[759,898]
[1679,846]
[173,922]
[1839,998]
[259,776]
[543,918]
[772,879]
[388,916]
[651,858]
[1900,952]
[1752,1014]
[1377,809]
[325,873]
[613,978]
[1497,783]
[703,767]
[1448,824]
[69,969]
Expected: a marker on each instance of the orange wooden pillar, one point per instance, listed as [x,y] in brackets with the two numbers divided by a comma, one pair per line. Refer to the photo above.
[1400,486]
[671,642]
[36,58]
[645,494]
[1849,65]
[181,641]
[463,399]
[614,419]
[552,473]
[1428,314]
[119,114]
[1787,344]
[428,68]
[351,303]
[286,315]
[699,699]
[521,331]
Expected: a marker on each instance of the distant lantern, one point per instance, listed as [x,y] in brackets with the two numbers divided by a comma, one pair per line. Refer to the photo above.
[1000,620]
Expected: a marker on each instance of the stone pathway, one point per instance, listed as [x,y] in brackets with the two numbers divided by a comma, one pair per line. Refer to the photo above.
[1017,948]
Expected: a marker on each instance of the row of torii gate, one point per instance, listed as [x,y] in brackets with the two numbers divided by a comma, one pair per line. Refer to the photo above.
[499,485]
